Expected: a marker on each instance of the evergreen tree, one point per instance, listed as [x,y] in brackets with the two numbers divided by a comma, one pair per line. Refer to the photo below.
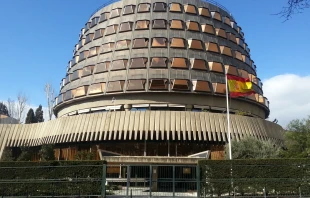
[39,114]
[30,117]
[3,109]
[47,152]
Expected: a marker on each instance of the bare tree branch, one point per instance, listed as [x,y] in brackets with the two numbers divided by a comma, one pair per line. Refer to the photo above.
[294,7]
[21,105]
[49,92]
[12,108]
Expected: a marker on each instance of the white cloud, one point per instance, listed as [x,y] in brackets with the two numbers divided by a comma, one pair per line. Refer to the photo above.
[289,97]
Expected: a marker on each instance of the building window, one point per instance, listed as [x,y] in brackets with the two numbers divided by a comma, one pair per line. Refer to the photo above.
[226,20]
[83,55]
[96,88]
[175,7]
[204,12]
[115,13]
[68,95]
[243,73]
[102,67]
[76,74]
[206,28]
[80,91]
[137,63]
[240,42]
[192,25]
[238,55]
[119,64]
[86,28]
[88,70]
[123,44]
[115,86]
[126,26]
[159,24]
[129,9]
[144,7]
[198,64]
[94,22]
[177,43]
[142,25]
[216,16]
[60,99]
[232,37]
[159,7]
[176,24]
[158,84]
[201,86]
[212,47]
[111,29]
[180,85]
[104,16]
[67,79]
[140,43]
[191,9]
[216,67]
[81,43]
[136,85]
[179,63]
[195,44]
[231,70]
[159,42]
[219,88]
[99,33]
[94,51]
[75,60]
[89,38]
[226,51]
[159,62]
[108,47]
[246,59]
[220,32]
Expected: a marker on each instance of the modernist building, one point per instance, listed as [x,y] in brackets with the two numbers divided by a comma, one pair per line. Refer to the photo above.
[147,79]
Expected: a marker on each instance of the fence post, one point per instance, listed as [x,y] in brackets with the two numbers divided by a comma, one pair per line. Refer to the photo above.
[173,180]
[151,172]
[103,180]
[128,180]
[198,180]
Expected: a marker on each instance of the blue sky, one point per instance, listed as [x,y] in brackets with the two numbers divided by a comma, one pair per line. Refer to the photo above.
[38,37]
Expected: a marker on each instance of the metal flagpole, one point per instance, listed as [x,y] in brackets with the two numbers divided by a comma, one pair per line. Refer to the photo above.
[228,120]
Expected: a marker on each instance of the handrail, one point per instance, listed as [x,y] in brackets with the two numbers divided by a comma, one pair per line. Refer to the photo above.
[208,1]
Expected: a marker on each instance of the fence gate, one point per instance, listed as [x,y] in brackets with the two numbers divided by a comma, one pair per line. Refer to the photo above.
[152,181]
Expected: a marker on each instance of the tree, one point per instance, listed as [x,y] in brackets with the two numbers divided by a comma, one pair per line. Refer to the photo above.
[297,139]
[49,92]
[39,114]
[3,109]
[252,148]
[47,152]
[7,155]
[11,108]
[30,117]
[294,7]
[26,154]
[21,105]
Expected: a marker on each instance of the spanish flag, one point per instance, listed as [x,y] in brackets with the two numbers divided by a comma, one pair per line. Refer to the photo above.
[239,86]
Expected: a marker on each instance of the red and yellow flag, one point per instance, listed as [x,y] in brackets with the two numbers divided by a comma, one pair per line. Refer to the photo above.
[239,86]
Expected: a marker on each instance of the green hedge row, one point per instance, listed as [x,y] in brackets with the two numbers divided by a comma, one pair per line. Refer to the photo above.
[57,178]
[249,177]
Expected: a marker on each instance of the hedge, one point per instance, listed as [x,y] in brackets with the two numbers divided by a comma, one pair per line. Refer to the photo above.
[249,177]
[57,178]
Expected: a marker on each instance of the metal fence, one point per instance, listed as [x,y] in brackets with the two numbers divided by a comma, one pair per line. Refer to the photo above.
[136,181]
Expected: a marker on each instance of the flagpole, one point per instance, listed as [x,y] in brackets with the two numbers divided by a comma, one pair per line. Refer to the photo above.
[228,119]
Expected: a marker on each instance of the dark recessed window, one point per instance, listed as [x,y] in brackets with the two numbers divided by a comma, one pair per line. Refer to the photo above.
[195,44]
[158,84]
[80,91]
[88,70]
[191,9]
[76,74]
[201,86]
[94,51]
[159,42]
[204,12]
[119,64]
[159,24]
[108,47]
[94,21]
[96,88]
[81,43]
[111,29]
[99,33]
[123,44]
[159,62]
[104,16]
[138,63]
[102,67]
[206,28]
[177,43]
[144,7]
[193,26]
[176,24]
[68,95]
[142,25]
[67,79]
[180,85]
[159,7]
[86,28]
[60,99]
[179,63]
[140,43]
[129,9]
[115,86]
[136,85]
[83,55]
[175,7]
[115,13]
[126,26]
[198,64]
[216,16]
[89,38]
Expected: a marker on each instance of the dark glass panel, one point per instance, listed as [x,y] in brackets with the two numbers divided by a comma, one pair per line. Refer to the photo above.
[115,12]
[179,63]
[94,22]
[102,67]
[123,44]
[88,70]
[158,84]
[115,86]
[107,47]
[140,43]
[177,43]
[159,42]
[129,9]
[159,62]
[76,74]
[193,26]
[176,24]
[67,80]
[144,7]
[198,64]
[180,85]
[119,64]
[195,44]
[104,16]
[83,55]
[96,88]
[142,25]
[68,95]
[86,28]
[159,24]
[99,33]
[81,43]
[136,85]
[94,51]
[191,9]
[175,7]
[60,99]
[159,7]
[89,38]
[138,63]
[201,86]
[126,26]
[80,91]
[111,29]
